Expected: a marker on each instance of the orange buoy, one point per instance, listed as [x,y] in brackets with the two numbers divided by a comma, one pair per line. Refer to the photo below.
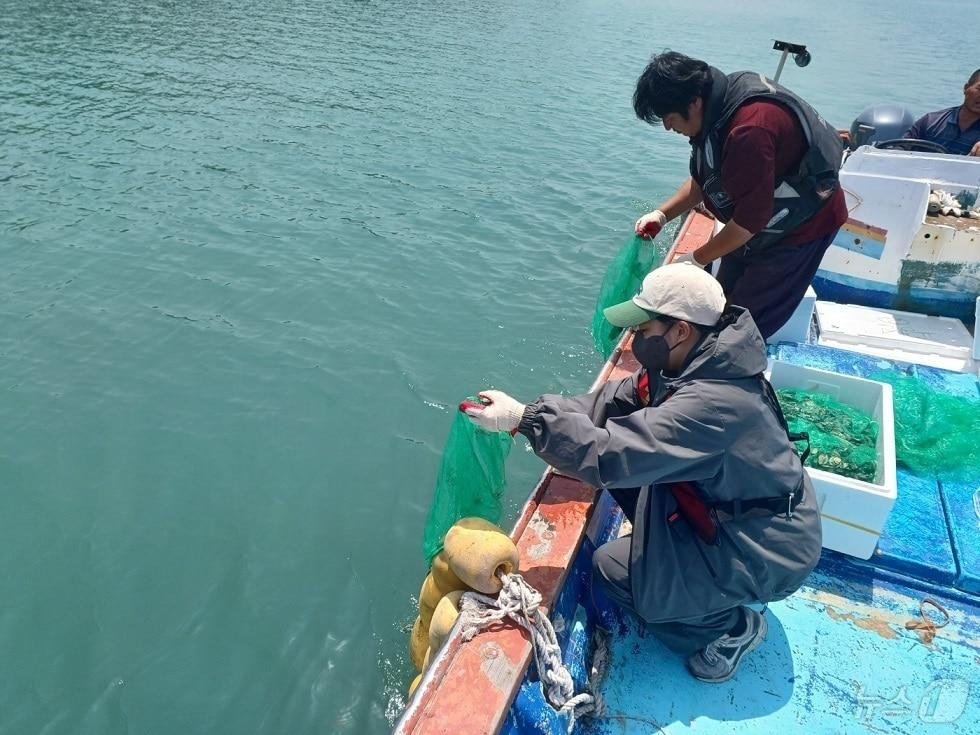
[443,575]
[429,597]
[414,685]
[443,619]
[417,643]
[478,552]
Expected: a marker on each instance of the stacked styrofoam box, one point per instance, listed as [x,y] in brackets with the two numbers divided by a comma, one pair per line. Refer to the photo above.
[937,341]
[853,512]
[797,329]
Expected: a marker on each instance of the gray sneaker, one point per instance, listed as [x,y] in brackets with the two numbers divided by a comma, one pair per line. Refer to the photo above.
[718,661]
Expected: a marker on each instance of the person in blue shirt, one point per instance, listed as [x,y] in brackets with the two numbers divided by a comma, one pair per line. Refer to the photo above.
[957,129]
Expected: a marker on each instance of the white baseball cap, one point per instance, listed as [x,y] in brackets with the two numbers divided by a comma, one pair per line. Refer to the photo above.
[680,290]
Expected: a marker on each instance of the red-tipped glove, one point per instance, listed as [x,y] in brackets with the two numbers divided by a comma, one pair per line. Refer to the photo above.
[650,224]
[500,412]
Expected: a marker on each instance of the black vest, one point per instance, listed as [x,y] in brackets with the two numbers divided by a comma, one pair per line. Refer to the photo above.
[799,195]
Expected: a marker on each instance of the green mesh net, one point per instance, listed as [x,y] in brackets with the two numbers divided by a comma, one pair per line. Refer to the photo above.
[471,480]
[843,440]
[622,280]
[935,434]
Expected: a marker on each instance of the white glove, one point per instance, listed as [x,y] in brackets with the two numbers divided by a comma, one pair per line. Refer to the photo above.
[687,258]
[650,224]
[502,414]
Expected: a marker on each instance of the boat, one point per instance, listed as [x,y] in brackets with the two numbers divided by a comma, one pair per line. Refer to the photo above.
[891,252]
[885,634]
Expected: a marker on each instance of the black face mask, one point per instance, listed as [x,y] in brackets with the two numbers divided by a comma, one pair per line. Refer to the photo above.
[652,352]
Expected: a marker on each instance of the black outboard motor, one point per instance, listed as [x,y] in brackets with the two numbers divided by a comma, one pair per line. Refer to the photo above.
[885,121]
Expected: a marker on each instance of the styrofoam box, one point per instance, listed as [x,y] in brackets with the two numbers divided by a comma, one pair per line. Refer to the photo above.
[797,328]
[854,512]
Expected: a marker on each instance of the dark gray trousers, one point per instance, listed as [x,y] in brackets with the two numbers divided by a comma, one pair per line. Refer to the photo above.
[610,569]
[772,283]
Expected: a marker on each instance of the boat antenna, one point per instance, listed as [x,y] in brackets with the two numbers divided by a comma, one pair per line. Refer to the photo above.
[800,55]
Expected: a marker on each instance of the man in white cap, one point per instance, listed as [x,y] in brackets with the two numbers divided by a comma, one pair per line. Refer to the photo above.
[694,448]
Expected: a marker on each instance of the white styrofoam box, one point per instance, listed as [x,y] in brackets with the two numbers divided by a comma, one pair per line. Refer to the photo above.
[937,341]
[853,512]
[797,329]
[715,265]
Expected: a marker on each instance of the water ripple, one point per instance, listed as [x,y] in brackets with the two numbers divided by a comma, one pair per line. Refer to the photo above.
[253,254]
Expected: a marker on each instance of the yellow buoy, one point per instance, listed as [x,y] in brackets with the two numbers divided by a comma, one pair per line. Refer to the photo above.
[443,619]
[429,597]
[425,661]
[414,685]
[418,643]
[443,576]
[477,551]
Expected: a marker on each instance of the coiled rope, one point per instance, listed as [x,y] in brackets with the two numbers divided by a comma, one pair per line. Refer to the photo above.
[519,601]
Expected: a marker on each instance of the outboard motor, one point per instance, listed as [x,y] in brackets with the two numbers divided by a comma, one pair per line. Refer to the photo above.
[877,123]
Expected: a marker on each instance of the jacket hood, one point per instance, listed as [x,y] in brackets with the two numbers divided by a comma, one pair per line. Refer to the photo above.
[733,349]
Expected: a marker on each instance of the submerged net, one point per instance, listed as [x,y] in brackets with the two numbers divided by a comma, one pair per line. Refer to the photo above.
[935,434]
[622,280]
[843,440]
[471,480]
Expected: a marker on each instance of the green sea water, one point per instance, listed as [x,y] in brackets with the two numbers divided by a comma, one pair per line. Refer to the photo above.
[251,256]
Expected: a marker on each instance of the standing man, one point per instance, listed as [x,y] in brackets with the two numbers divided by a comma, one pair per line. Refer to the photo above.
[957,129]
[764,163]
[695,450]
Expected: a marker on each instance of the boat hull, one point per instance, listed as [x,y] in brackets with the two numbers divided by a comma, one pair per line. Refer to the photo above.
[846,289]
[891,252]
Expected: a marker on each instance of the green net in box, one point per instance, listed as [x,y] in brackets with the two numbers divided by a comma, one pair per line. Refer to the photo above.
[622,280]
[471,480]
[843,440]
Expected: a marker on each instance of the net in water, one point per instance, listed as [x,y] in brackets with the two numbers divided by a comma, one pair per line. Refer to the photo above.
[471,480]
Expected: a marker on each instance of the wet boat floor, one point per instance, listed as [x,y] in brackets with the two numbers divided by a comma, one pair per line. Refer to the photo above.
[837,659]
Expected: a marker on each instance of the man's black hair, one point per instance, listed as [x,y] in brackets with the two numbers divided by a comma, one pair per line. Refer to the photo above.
[670,83]
[974,78]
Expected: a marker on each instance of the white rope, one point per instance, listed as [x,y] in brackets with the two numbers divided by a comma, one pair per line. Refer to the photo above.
[600,663]
[519,601]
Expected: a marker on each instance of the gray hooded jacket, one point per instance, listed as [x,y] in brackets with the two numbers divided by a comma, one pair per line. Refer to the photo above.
[715,430]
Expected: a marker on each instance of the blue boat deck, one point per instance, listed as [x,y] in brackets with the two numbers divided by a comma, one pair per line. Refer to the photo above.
[838,657]
[933,532]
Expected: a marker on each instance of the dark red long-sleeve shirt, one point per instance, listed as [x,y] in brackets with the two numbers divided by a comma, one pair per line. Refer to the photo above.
[764,141]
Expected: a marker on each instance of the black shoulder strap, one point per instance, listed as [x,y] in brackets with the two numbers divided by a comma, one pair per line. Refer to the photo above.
[794,436]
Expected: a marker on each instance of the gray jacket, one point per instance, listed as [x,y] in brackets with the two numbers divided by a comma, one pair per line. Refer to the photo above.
[715,430]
